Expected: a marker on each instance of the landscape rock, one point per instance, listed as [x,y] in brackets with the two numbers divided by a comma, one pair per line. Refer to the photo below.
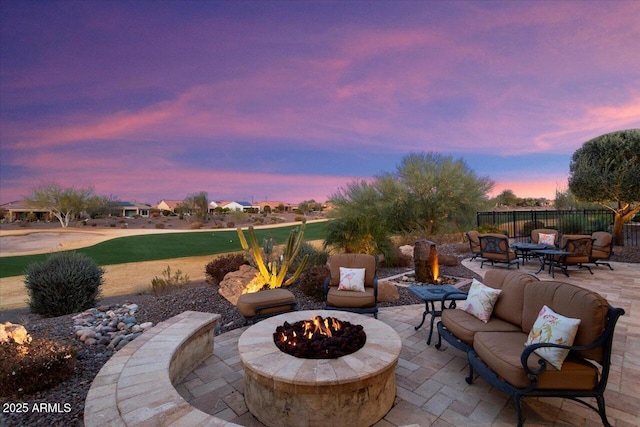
[234,283]
[387,292]
[447,260]
[109,326]
[425,259]
[406,250]
[14,332]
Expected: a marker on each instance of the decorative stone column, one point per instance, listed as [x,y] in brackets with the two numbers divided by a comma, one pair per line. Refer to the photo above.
[425,259]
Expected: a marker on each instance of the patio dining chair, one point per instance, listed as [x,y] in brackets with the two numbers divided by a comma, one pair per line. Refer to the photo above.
[474,243]
[545,232]
[495,249]
[602,248]
[580,246]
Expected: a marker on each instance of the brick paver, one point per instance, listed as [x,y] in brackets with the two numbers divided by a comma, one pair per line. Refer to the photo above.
[431,390]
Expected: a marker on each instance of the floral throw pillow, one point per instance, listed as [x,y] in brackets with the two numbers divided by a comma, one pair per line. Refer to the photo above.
[481,300]
[553,328]
[351,279]
[547,239]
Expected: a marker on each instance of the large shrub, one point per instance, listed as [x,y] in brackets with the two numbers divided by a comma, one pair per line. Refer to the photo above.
[312,281]
[64,283]
[219,267]
[41,364]
[314,256]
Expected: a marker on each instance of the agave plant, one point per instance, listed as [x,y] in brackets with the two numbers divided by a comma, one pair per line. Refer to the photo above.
[274,272]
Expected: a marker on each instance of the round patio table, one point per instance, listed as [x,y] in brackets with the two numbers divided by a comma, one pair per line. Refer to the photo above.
[548,257]
[524,249]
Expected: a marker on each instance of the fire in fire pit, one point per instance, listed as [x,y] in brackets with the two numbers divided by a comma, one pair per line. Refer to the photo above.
[319,338]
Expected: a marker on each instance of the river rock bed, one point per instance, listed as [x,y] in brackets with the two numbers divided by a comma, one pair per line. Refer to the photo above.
[110,326]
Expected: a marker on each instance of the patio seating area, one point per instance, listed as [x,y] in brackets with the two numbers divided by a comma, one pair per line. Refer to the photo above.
[431,387]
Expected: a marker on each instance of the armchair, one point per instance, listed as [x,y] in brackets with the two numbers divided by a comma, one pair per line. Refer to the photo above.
[602,248]
[580,247]
[535,235]
[352,300]
[474,243]
[495,248]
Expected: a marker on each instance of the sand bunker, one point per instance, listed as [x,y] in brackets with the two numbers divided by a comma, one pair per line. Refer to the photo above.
[40,241]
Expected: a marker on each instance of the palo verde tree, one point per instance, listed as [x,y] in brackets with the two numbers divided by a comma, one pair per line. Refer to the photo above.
[606,171]
[428,194]
[64,203]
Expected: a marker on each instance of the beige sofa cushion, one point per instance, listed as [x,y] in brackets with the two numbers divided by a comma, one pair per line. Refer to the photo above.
[511,300]
[464,325]
[570,301]
[501,351]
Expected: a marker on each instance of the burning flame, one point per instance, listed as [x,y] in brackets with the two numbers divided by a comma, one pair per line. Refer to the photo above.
[435,267]
[318,325]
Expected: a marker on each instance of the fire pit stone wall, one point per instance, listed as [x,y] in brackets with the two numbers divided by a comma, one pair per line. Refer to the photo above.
[356,390]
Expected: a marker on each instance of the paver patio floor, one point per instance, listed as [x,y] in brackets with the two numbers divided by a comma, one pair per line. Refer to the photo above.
[431,390]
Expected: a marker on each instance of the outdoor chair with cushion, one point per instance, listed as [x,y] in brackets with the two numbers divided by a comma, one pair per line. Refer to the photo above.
[602,248]
[495,248]
[352,284]
[580,246]
[474,243]
[545,234]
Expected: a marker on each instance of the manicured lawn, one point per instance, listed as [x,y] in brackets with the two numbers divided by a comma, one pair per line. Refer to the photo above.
[154,247]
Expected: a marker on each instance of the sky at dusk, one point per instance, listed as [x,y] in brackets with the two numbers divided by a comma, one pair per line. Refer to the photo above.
[292,100]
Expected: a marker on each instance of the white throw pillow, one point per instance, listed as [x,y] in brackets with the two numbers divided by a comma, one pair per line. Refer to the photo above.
[481,300]
[351,279]
[554,328]
[547,239]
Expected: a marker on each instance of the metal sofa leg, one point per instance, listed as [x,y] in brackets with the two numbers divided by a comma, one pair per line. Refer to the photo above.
[602,410]
[517,400]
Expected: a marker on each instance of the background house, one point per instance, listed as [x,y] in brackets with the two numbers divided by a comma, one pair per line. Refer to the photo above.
[169,205]
[20,211]
[129,209]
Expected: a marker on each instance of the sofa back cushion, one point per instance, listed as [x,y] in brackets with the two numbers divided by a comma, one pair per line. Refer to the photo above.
[569,301]
[601,245]
[510,302]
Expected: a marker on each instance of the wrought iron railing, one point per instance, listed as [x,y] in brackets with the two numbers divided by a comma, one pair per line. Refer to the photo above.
[519,223]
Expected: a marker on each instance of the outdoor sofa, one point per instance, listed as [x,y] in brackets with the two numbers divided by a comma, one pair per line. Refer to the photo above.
[496,348]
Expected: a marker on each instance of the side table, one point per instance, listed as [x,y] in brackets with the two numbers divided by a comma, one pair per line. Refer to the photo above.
[431,294]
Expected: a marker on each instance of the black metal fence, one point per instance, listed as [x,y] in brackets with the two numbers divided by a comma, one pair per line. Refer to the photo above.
[518,224]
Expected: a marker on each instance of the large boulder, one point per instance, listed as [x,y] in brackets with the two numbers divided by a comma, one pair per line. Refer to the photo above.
[387,291]
[11,332]
[406,250]
[448,260]
[234,284]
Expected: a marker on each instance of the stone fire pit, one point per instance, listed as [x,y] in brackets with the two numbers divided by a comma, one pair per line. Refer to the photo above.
[355,390]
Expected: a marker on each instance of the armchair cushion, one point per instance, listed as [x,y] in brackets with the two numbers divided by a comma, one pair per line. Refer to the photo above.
[551,327]
[351,279]
[535,235]
[547,239]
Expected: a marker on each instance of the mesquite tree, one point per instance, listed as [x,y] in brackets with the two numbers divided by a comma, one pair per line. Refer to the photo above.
[606,171]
